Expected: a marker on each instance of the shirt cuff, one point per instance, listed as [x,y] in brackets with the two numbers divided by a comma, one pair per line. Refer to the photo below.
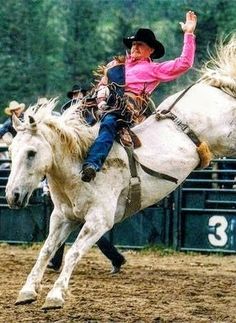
[189,34]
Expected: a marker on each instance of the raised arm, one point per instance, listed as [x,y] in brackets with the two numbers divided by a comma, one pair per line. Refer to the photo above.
[170,70]
[190,24]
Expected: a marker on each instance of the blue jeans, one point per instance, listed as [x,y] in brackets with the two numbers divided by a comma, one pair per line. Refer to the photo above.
[103,143]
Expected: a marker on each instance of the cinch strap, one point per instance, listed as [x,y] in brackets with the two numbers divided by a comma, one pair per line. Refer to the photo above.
[133,203]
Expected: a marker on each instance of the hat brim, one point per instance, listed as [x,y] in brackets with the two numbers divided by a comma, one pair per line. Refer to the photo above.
[82,90]
[159,49]
[9,110]
[69,94]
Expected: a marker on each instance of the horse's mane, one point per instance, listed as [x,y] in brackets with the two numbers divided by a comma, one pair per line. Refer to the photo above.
[69,128]
[220,70]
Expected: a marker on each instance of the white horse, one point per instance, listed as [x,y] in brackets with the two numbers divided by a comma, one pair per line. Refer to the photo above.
[56,146]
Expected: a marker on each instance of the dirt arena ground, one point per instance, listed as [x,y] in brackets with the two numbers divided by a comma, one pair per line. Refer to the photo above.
[152,287]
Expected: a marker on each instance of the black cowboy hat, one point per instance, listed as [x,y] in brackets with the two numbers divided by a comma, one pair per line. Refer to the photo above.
[148,37]
[75,89]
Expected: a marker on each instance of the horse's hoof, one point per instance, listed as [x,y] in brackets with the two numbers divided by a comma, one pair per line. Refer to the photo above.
[52,304]
[26,298]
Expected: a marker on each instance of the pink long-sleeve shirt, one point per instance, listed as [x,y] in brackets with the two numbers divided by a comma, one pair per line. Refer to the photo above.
[144,75]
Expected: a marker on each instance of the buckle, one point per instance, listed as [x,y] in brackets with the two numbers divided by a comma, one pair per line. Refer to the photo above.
[134,181]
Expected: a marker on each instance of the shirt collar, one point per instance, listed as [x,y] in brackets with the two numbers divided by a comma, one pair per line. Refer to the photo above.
[129,59]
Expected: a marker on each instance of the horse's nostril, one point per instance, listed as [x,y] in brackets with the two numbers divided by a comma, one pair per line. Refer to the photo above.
[16,196]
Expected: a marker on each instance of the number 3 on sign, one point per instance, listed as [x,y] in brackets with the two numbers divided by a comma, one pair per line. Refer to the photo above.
[219,238]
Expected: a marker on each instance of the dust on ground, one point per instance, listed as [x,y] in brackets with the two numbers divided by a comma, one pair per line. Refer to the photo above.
[151,287]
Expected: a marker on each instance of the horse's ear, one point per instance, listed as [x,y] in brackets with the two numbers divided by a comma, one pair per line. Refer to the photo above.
[32,123]
[17,124]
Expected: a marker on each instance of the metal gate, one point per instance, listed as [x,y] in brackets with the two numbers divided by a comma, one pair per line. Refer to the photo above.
[198,216]
[205,210]
[148,227]
[152,226]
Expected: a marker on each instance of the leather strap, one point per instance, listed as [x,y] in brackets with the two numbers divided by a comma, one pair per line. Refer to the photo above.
[184,127]
[152,172]
[178,98]
[133,203]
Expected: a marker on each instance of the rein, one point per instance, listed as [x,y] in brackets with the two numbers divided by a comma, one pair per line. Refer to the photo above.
[178,98]
[167,114]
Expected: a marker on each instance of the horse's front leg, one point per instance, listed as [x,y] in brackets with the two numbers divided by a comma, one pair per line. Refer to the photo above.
[94,227]
[58,233]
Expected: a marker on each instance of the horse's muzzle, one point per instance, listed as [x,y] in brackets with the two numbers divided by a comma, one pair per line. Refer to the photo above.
[17,199]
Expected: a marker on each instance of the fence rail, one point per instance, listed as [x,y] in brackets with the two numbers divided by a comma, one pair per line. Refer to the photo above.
[199,216]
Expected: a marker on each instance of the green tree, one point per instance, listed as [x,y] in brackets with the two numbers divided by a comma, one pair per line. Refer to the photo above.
[48,45]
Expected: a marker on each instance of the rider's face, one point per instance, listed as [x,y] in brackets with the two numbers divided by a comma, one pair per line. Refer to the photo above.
[140,50]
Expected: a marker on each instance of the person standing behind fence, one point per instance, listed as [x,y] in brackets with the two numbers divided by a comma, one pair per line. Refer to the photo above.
[75,94]
[107,248]
[7,131]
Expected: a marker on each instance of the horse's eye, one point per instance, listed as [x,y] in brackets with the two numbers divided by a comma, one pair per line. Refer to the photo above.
[31,154]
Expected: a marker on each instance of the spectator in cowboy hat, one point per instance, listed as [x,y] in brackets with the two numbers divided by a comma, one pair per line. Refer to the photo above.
[7,131]
[107,248]
[76,93]
[15,107]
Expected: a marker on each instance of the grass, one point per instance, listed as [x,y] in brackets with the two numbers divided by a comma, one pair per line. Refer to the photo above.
[161,250]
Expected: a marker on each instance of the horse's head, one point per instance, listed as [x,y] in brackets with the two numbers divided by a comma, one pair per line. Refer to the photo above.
[31,157]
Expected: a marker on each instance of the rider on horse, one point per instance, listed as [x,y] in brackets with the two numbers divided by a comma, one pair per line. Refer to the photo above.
[136,78]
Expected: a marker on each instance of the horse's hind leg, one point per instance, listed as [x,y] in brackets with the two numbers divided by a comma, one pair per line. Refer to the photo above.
[88,236]
[58,233]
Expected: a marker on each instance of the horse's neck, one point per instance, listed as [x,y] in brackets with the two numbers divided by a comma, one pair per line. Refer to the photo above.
[63,171]
[67,163]
[210,113]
